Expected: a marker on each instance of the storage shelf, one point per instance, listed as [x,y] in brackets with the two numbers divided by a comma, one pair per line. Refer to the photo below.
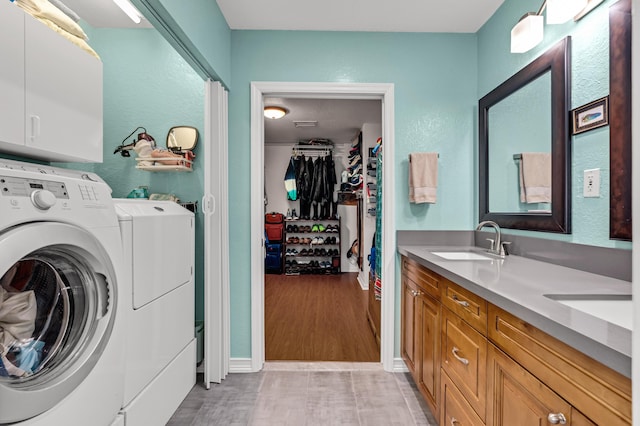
[183,166]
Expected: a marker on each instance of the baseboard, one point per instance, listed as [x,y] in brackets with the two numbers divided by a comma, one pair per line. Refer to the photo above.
[240,365]
[399,366]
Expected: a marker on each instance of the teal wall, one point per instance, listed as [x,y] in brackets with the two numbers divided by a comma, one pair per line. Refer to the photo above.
[435,110]
[206,28]
[590,81]
[146,83]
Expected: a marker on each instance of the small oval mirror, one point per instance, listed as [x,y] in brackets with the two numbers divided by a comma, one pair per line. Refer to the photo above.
[182,138]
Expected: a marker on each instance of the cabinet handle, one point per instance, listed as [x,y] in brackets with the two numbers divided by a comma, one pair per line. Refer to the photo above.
[35,127]
[463,303]
[415,293]
[465,361]
[454,421]
[557,419]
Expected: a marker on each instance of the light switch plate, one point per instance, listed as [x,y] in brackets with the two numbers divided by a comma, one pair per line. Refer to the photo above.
[591,183]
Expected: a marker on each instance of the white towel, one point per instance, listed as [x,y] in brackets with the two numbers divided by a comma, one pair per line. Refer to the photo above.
[423,177]
[535,177]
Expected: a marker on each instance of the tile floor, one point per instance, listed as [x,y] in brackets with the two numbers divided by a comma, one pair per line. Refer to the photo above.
[307,394]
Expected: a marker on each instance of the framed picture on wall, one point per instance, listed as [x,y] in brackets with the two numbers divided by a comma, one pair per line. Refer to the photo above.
[590,116]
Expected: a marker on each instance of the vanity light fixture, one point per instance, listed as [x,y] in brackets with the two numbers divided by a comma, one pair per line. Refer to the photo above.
[529,31]
[274,112]
[129,9]
[561,11]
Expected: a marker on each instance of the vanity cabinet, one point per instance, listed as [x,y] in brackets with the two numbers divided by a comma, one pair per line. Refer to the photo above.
[421,313]
[495,369]
[52,109]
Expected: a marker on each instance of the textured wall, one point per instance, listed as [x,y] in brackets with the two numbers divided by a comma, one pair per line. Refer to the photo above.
[590,81]
[435,110]
[146,83]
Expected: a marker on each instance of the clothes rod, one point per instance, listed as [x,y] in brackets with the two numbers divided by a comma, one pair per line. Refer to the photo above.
[314,147]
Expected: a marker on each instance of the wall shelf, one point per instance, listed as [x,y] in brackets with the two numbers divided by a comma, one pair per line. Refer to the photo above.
[183,166]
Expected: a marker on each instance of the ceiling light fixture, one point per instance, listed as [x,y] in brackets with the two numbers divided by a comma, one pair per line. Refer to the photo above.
[274,112]
[129,9]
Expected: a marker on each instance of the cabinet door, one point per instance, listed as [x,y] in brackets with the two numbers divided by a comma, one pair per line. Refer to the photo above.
[11,75]
[409,344]
[63,97]
[456,411]
[429,369]
[517,397]
[464,358]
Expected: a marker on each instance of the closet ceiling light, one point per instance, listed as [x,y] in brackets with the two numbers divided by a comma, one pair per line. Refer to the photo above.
[561,11]
[527,33]
[305,123]
[129,9]
[274,112]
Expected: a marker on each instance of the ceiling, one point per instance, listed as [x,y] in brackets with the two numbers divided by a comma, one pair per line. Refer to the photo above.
[103,14]
[457,16]
[338,119]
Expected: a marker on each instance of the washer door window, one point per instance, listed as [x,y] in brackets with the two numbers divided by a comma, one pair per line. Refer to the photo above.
[56,315]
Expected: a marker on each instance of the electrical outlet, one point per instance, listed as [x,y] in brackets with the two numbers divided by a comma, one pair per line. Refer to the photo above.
[591,183]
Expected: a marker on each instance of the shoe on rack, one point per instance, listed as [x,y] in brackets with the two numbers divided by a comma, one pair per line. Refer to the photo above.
[314,228]
[357,169]
[295,228]
[303,252]
[294,215]
[288,216]
[355,160]
[289,228]
[320,240]
[321,227]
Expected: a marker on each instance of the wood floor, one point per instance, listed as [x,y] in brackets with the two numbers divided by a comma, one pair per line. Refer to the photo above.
[317,318]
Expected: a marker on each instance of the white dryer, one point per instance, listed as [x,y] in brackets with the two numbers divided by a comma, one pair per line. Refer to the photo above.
[61,324]
[159,249]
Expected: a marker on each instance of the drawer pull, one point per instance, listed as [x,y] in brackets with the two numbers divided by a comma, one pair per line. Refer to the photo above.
[462,303]
[465,361]
[415,293]
[454,421]
[557,419]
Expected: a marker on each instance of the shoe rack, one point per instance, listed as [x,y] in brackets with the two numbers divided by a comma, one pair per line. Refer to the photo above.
[312,246]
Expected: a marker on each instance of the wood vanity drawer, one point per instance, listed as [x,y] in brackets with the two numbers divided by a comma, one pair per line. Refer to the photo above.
[428,280]
[470,307]
[455,409]
[599,392]
[464,358]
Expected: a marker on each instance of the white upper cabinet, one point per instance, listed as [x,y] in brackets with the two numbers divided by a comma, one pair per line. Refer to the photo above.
[11,74]
[61,105]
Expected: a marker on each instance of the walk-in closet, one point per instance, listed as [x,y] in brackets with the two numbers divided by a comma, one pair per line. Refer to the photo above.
[323,169]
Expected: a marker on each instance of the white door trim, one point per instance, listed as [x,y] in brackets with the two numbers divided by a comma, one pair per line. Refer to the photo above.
[382,91]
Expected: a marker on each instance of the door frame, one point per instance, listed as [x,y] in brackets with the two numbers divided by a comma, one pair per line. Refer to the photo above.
[380,91]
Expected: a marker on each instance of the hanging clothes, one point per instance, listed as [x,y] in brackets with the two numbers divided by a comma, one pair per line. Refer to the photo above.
[290,181]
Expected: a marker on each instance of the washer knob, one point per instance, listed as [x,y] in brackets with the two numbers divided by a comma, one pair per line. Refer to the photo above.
[43,199]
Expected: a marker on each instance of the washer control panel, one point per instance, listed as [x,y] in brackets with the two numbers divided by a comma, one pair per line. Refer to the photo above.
[24,187]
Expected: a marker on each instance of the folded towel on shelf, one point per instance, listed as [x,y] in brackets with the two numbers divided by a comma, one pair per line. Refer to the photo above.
[423,177]
[535,177]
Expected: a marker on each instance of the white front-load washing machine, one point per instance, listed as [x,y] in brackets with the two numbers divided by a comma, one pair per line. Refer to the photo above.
[61,331]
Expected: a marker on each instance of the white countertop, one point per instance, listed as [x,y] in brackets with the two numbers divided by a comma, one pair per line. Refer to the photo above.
[518,285]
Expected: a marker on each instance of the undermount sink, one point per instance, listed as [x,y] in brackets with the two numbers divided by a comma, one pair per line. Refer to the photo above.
[613,308]
[461,255]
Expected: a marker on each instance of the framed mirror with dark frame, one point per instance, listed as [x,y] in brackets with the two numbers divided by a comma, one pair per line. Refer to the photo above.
[620,120]
[556,63]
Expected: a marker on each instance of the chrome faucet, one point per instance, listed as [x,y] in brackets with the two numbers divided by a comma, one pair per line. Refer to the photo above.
[497,245]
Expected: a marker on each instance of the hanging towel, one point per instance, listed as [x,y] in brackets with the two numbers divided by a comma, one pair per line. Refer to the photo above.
[535,177]
[423,177]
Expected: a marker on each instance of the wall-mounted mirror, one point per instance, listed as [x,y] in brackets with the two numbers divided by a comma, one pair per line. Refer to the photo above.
[620,120]
[527,113]
[182,138]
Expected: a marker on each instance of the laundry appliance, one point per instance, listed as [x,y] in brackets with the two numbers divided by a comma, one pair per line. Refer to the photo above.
[61,288]
[159,249]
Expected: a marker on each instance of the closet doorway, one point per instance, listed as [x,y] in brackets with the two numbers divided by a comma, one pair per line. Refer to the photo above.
[320,172]
[383,93]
